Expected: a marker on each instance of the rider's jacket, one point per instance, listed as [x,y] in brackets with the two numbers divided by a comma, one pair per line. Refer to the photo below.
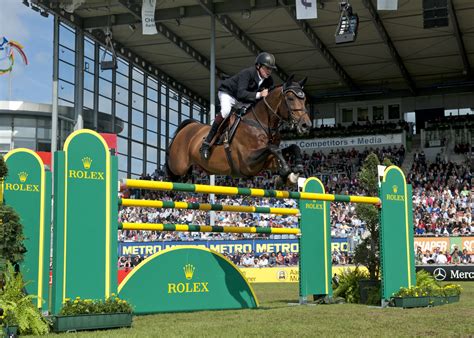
[244,85]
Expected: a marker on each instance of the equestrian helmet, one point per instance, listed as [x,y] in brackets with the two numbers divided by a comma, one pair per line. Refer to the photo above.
[265,59]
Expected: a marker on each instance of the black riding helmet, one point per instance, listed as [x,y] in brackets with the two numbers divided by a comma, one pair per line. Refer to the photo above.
[265,59]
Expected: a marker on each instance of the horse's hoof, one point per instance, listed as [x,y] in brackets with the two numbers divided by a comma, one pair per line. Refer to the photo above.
[293,178]
[299,169]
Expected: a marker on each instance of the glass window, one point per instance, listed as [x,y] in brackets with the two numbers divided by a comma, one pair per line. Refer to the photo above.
[105,88]
[66,91]
[137,166]
[44,129]
[163,141]
[88,65]
[137,149]
[66,72]
[89,48]
[137,87]
[122,80]
[24,143]
[173,103]
[172,129]
[173,117]
[89,81]
[122,66]
[137,101]
[24,128]
[122,175]
[151,154]
[122,162]
[377,113]
[121,95]
[137,134]
[152,108]
[162,157]
[151,123]
[152,94]
[185,107]
[151,167]
[122,147]
[393,112]
[88,99]
[67,55]
[362,114]
[121,111]
[67,37]
[137,75]
[105,105]
[347,115]
[137,118]
[152,138]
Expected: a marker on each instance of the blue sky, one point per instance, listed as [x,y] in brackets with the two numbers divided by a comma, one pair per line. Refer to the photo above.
[32,83]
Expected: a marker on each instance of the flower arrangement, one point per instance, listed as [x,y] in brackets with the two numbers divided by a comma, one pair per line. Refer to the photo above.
[412,291]
[452,290]
[79,306]
[431,291]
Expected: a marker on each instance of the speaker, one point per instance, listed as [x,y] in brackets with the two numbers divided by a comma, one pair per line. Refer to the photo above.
[435,13]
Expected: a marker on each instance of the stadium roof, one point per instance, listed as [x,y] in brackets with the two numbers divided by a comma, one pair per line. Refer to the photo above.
[392,56]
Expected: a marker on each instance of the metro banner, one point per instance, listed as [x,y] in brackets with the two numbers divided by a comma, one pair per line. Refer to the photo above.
[259,246]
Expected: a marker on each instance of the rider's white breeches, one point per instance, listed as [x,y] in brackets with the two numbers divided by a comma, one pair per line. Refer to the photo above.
[227,102]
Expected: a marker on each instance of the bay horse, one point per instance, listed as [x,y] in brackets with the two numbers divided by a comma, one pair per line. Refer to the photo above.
[254,146]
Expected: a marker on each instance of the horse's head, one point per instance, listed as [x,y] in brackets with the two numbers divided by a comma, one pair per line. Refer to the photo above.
[294,110]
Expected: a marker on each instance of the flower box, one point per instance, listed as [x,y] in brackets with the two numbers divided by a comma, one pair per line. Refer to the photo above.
[437,300]
[10,331]
[91,321]
[452,299]
[409,302]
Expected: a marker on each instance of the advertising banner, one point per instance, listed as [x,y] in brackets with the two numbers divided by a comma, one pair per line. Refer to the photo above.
[345,142]
[445,243]
[259,246]
[463,273]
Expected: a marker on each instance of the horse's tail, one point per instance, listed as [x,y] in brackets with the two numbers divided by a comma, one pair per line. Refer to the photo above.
[168,173]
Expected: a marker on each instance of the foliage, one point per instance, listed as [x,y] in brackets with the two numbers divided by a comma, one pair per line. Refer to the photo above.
[11,235]
[349,284]
[78,306]
[427,285]
[3,168]
[18,308]
[367,252]
[452,290]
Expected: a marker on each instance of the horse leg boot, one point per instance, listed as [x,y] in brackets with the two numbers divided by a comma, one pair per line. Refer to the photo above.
[295,151]
[205,151]
[284,169]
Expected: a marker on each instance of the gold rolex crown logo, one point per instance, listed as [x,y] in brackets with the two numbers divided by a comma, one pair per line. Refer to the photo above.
[189,271]
[23,176]
[86,162]
[395,189]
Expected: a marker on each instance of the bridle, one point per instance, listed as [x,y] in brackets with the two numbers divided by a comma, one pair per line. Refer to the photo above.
[299,93]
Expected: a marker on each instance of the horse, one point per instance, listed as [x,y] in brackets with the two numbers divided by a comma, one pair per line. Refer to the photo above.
[255,144]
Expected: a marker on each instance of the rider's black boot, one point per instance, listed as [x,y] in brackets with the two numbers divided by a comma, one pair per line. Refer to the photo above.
[205,151]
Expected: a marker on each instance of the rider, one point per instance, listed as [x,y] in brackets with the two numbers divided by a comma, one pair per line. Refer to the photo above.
[247,86]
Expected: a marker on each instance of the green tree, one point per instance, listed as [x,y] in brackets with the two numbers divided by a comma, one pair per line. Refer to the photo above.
[11,230]
[367,252]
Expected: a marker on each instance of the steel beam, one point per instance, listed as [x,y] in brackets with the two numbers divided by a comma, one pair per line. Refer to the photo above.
[459,40]
[319,44]
[173,38]
[391,47]
[179,12]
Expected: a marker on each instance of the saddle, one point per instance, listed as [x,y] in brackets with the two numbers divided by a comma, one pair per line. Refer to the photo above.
[226,132]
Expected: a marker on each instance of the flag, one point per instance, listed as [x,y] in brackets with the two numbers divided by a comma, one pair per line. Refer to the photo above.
[148,17]
[306,9]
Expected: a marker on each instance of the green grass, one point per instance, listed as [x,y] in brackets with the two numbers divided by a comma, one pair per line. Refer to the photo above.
[275,318]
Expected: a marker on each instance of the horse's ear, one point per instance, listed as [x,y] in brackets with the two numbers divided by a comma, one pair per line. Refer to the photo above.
[290,79]
[302,82]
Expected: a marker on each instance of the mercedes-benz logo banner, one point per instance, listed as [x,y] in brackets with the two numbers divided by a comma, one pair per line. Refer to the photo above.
[450,272]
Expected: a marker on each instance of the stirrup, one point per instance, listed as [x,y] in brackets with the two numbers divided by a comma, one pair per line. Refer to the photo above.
[205,150]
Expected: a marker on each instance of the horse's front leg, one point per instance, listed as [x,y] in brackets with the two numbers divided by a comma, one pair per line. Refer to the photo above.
[295,151]
[284,169]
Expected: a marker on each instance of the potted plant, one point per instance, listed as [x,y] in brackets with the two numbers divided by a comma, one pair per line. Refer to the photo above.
[91,314]
[367,252]
[19,313]
[452,292]
[413,296]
